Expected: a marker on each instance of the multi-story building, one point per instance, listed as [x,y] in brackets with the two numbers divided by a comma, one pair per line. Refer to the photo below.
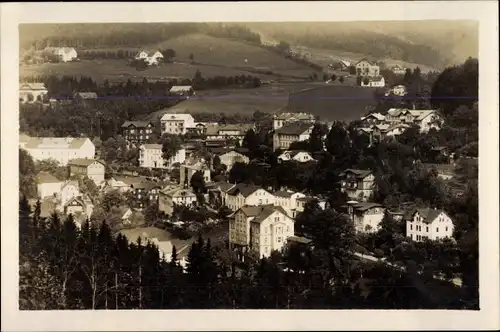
[294,132]
[372,119]
[32,92]
[357,184]
[285,118]
[428,223]
[151,156]
[229,157]
[137,132]
[234,132]
[176,123]
[398,70]
[373,82]
[168,198]
[425,119]
[93,169]
[367,68]
[288,200]
[365,216]
[60,149]
[259,230]
[48,185]
[60,54]
[247,194]
[69,190]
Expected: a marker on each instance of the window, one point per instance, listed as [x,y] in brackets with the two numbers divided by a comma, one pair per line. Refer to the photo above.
[411,227]
[279,239]
[411,236]
[446,229]
[427,229]
[437,229]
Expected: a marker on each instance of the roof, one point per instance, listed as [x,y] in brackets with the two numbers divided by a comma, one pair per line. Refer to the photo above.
[365,60]
[421,114]
[375,78]
[32,86]
[23,138]
[282,193]
[296,128]
[261,212]
[223,186]
[78,199]
[397,111]
[299,239]
[446,169]
[377,116]
[428,214]
[360,173]
[177,117]
[84,162]
[178,192]
[138,124]
[363,206]
[245,189]
[294,116]
[45,177]
[181,88]
[152,146]
[86,95]
[214,130]
[56,143]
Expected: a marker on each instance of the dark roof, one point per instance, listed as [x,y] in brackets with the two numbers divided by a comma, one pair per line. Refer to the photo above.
[245,189]
[44,177]
[84,162]
[138,124]
[360,173]
[428,214]
[282,193]
[299,239]
[296,128]
[261,212]
[224,186]
[363,206]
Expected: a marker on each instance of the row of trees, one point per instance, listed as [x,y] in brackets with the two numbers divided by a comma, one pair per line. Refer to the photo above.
[63,267]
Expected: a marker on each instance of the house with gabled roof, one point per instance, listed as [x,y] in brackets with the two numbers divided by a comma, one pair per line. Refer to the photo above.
[48,185]
[398,70]
[182,90]
[60,54]
[281,119]
[247,194]
[373,81]
[81,207]
[32,92]
[300,156]
[372,119]
[151,57]
[61,149]
[260,230]
[170,197]
[92,168]
[366,216]
[176,123]
[151,156]
[358,184]
[288,134]
[364,67]
[428,223]
[288,200]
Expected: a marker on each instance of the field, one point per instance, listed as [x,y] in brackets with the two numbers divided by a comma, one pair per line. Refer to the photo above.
[324,57]
[212,56]
[330,102]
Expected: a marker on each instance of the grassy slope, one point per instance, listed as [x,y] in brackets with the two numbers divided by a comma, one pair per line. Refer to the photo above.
[213,56]
[330,102]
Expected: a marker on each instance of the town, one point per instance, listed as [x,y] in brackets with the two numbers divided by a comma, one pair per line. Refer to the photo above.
[158,205]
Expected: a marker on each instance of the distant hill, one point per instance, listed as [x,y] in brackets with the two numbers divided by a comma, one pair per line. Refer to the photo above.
[436,43]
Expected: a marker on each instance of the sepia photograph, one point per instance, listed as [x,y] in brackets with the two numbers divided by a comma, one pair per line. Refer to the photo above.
[248,164]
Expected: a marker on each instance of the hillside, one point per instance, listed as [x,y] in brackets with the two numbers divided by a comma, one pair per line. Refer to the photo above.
[432,42]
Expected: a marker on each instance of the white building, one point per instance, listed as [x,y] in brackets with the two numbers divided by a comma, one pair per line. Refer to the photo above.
[182,90]
[365,216]
[229,131]
[358,184]
[425,119]
[296,155]
[259,230]
[61,149]
[68,191]
[427,223]
[367,68]
[168,198]
[151,156]
[247,194]
[61,54]
[48,185]
[398,70]
[397,90]
[150,57]
[289,201]
[176,123]
[232,156]
[32,92]
[93,169]
[373,82]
